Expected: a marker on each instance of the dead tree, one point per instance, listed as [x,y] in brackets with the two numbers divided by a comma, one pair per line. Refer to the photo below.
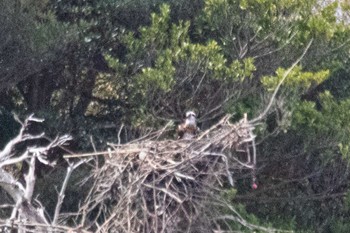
[28,214]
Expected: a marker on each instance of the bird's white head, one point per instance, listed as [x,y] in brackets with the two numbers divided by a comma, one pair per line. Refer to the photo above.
[190,119]
[190,114]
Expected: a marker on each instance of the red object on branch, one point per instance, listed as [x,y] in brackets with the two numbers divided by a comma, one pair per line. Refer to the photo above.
[254,186]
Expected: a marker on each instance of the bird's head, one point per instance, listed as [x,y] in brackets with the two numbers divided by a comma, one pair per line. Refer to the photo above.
[190,118]
[190,114]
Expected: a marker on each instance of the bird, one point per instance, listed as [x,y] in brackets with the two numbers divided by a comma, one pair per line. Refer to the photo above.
[188,128]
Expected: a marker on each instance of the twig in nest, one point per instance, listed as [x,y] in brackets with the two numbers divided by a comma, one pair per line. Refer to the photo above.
[158,186]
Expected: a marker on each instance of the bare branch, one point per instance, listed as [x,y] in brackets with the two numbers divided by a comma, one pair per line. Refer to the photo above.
[267,109]
[30,180]
[153,186]
[21,158]
[21,137]
[23,210]
[61,195]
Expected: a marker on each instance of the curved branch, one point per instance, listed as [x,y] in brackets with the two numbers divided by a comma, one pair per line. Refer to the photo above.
[264,113]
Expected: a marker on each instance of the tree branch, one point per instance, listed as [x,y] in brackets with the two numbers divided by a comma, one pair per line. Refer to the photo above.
[22,194]
[267,109]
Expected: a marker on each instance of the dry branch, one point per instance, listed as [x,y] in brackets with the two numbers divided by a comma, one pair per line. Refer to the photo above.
[162,186]
[24,212]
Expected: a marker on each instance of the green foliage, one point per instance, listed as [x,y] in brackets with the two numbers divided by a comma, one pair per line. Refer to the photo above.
[340,226]
[347,201]
[296,80]
[323,23]
[253,219]
[161,76]
[312,160]
[333,114]
[166,63]
[86,65]
[229,194]
[30,36]
[338,83]
[331,122]
[245,27]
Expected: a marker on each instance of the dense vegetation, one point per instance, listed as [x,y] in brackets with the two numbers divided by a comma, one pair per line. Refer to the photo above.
[89,67]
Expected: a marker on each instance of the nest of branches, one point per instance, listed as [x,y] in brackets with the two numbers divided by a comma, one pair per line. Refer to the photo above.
[154,185]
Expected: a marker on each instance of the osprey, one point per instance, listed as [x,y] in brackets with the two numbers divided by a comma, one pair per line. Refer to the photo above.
[188,129]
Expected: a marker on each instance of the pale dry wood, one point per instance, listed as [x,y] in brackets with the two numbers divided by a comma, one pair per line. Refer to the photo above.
[24,212]
[155,185]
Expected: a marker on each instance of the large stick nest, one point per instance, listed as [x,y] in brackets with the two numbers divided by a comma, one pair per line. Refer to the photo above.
[164,185]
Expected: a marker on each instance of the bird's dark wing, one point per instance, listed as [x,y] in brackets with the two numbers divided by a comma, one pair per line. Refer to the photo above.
[181,129]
